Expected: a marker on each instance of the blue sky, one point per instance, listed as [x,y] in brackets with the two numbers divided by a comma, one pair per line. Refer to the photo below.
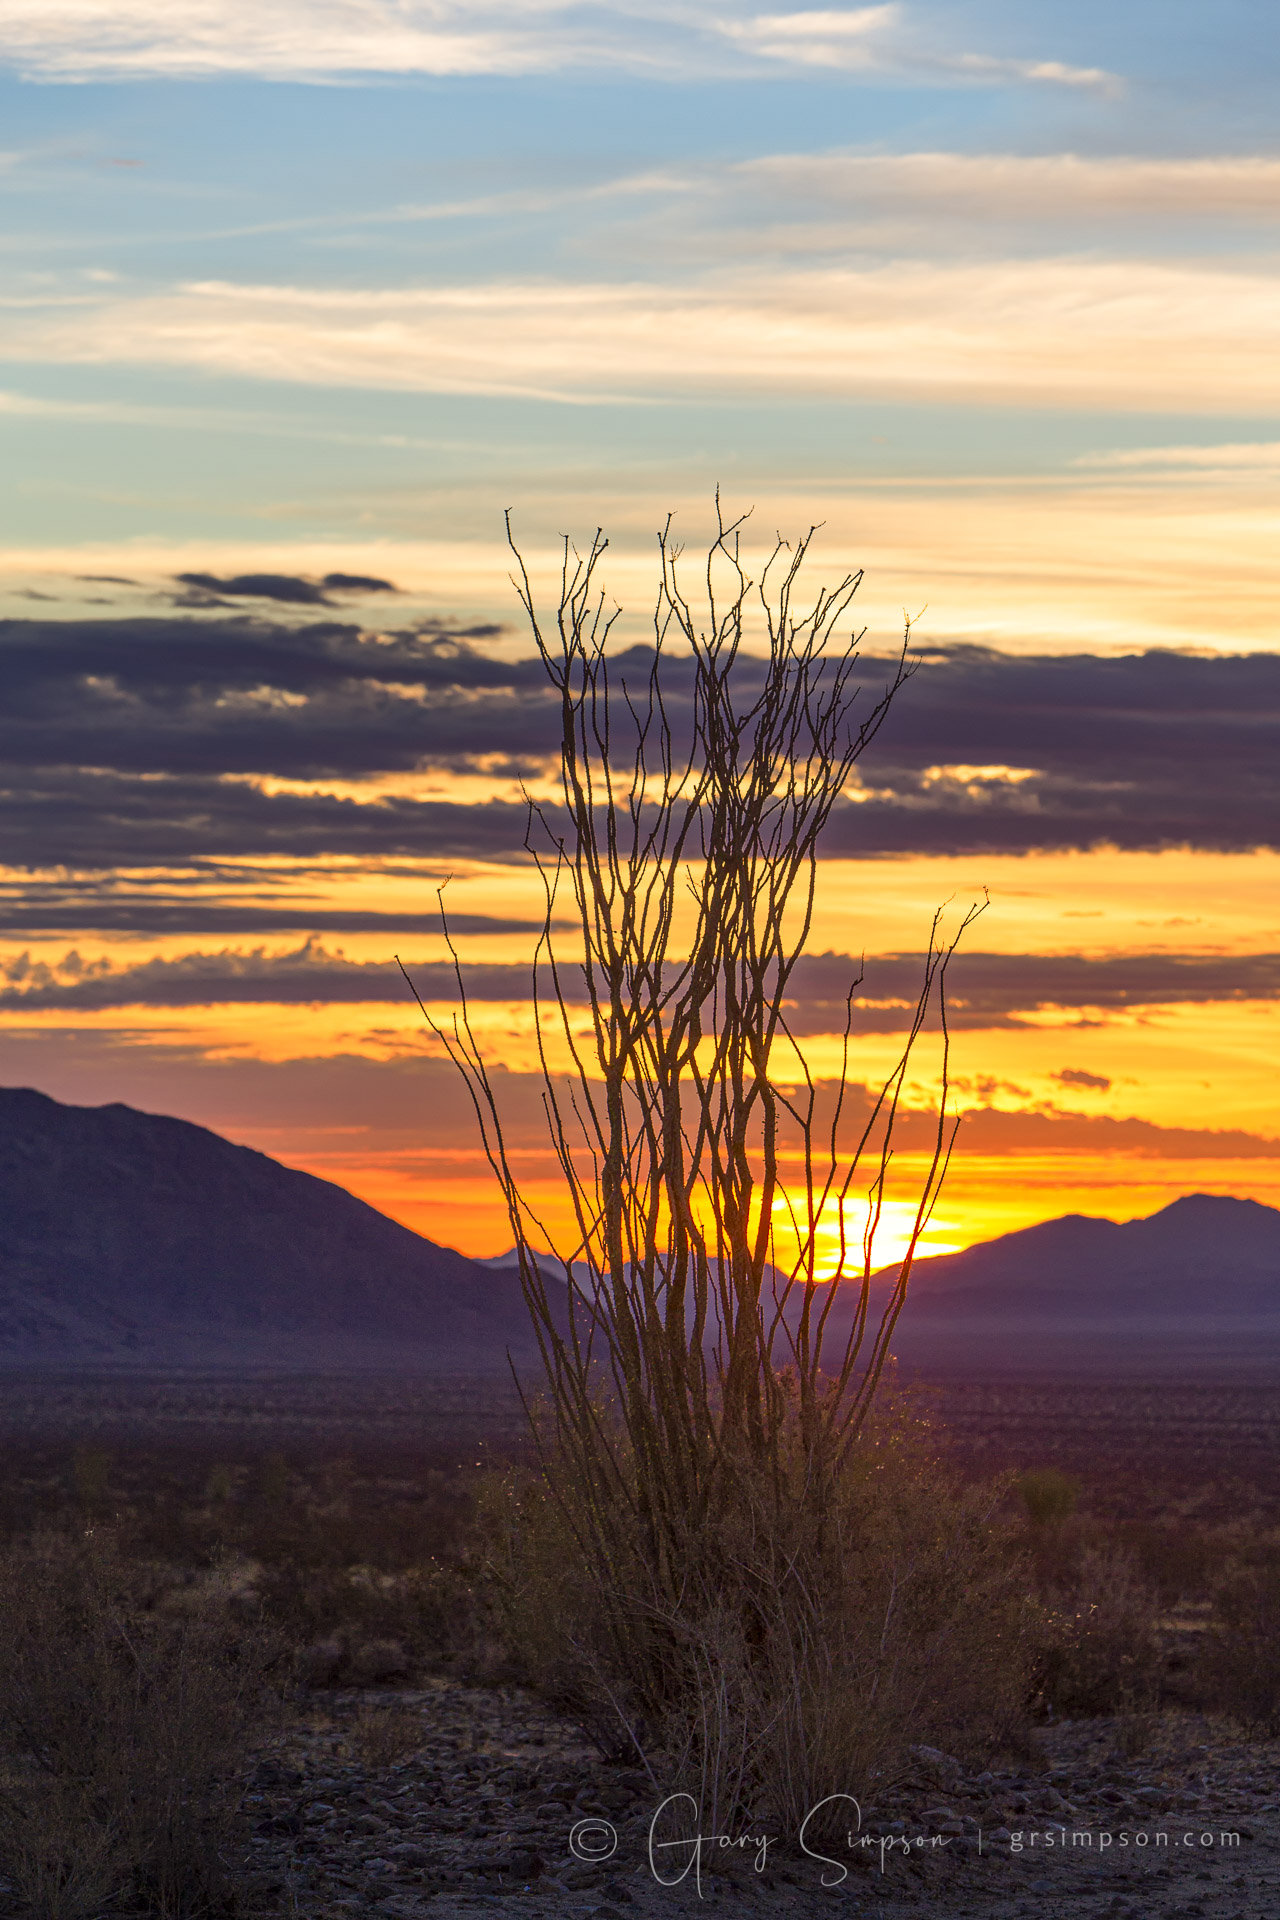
[343,271]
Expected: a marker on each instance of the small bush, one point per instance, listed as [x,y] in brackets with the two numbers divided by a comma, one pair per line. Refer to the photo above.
[1242,1661]
[1134,1734]
[339,1617]
[1180,1562]
[90,1473]
[119,1726]
[1049,1496]
[1101,1652]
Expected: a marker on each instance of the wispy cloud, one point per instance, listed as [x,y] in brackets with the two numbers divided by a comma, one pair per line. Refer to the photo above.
[327,39]
[1063,332]
[1056,72]
[54,39]
[846,38]
[1012,186]
[1250,456]
[891,204]
[889,207]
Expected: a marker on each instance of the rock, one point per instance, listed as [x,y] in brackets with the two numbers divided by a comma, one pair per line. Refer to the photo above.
[518,1863]
[410,1853]
[284,1824]
[579,1879]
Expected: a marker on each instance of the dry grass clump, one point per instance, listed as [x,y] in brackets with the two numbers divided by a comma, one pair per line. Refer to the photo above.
[120,1725]
[382,1737]
[366,1626]
[798,1644]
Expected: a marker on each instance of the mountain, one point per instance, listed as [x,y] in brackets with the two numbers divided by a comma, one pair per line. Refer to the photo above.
[1204,1256]
[128,1236]
[1191,1290]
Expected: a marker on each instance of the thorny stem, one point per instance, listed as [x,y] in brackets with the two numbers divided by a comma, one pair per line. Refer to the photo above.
[692,803]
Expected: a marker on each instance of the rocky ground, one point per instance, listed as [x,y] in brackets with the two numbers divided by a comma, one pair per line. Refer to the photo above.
[448,1800]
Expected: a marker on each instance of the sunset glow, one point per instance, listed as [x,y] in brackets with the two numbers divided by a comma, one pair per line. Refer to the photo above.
[301,299]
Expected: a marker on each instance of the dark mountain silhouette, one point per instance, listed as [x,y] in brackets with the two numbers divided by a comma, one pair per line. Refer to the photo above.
[1191,1289]
[131,1236]
[1195,1287]
[1203,1256]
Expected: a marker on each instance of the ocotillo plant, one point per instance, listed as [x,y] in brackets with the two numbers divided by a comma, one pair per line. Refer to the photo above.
[705,1164]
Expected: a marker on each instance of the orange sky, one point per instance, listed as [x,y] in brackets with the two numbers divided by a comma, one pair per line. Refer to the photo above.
[1033,1146]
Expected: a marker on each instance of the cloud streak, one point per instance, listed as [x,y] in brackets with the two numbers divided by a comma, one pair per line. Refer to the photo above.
[320,39]
[211,589]
[1133,336]
[1042,189]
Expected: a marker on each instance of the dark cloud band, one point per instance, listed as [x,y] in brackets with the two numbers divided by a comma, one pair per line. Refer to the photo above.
[121,742]
[984,989]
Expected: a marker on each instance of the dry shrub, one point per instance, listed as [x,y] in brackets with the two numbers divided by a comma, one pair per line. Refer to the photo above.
[382,1737]
[1101,1652]
[119,1728]
[1181,1562]
[426,1612]
[1049,1496]
[1242,1660]
[64,1860]
[800,1645]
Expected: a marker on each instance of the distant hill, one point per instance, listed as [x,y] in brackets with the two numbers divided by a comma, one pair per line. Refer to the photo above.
[1191,1289]
[127,1236]
[1204,1256]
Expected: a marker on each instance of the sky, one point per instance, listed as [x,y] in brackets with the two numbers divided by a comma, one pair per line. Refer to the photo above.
[300,296]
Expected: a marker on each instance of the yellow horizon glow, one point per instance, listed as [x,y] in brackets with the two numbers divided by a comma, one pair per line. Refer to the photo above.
[1119,558]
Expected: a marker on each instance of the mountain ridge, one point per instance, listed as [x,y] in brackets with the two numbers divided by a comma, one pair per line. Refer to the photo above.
[126,1235]
[1169,1262]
